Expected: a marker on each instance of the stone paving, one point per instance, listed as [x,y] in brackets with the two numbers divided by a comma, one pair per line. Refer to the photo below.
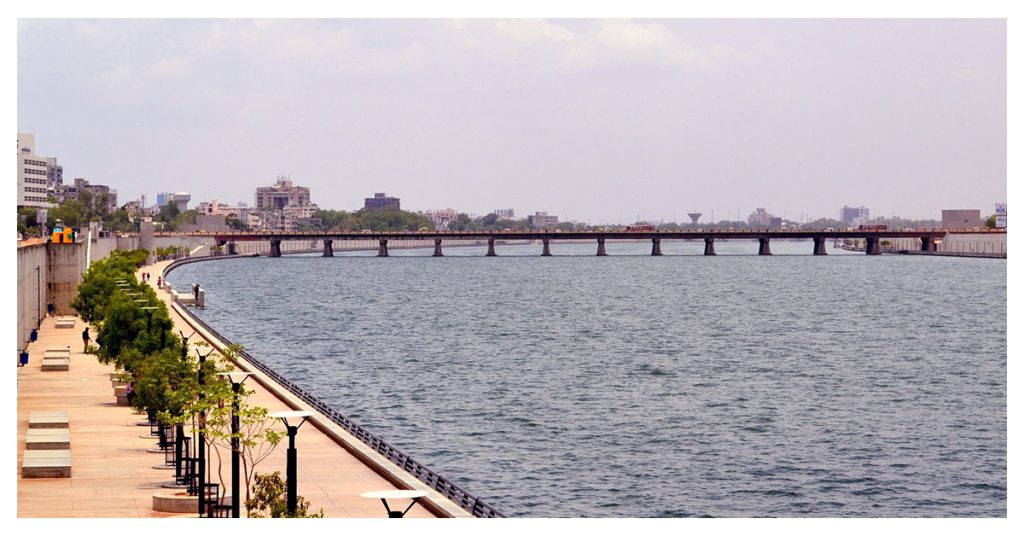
[113,475]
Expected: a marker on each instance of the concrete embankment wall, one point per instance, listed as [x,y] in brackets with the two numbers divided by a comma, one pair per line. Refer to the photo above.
[32,279]
[955,243]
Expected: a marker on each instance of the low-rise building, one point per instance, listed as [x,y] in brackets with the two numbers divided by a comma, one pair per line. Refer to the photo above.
[961,218]
[381,201]
[505,213]
[541,220]
[854,215]
[440,217]
[284,206]
[762,218]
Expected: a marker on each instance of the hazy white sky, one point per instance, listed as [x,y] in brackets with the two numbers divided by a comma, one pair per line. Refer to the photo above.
[599,120]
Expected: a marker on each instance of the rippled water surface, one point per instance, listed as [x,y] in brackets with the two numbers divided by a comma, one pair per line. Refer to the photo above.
[641,386]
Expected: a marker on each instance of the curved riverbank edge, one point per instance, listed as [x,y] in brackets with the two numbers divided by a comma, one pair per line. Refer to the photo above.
[444,499]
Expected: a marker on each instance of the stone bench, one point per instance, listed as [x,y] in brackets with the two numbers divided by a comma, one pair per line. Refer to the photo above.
[50,353]
[121,398]
[65,323]
[46,464]
[48,419]
[51,364]
[48,439]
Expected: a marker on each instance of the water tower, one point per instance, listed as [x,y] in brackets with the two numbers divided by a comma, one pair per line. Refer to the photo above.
[694,216]
[181,199]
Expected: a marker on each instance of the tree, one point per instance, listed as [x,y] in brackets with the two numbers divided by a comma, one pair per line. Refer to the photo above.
[256,439]
[71,213]
[269,500]
[489,220]
[990,223]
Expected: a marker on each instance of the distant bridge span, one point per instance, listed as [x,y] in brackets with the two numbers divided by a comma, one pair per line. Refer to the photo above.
[872,238]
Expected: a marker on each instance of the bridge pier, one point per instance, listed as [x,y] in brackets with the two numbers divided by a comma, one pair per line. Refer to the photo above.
[709,246]
[871,247]
[490,248]
[382,251]
[819,246]
[437,248]
[928,244]
[600,248]
[328,248]
[655,246]
[547,248]
[763,248]
[275,248]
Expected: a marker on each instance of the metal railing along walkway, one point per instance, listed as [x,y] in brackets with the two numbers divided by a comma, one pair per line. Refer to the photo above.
[472,504]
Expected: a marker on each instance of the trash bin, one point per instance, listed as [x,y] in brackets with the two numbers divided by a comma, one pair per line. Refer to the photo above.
[23,358]
[34,336]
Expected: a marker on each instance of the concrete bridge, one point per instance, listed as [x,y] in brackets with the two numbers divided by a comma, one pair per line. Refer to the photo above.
[928,238]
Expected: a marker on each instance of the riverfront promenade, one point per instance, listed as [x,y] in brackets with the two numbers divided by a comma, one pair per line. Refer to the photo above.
[113,475]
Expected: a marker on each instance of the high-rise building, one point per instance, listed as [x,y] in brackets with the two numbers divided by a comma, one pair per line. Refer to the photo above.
[854,215]
[32,174]
[381,201]
[505,214]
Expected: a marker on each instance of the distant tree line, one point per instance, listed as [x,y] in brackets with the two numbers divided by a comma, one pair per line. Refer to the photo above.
[374,220]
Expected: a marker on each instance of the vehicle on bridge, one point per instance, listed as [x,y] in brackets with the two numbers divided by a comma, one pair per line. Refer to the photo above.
[873,227]
[641,227]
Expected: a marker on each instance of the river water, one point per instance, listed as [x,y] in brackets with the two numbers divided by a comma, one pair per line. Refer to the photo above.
[638,386]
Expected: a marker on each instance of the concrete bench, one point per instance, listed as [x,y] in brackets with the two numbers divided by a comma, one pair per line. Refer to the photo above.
[57,352]
[121,398]
[46,464]
[48,419]
[50,364]
[65,323]
[48,439]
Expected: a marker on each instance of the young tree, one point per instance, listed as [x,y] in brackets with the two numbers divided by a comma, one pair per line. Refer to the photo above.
[268,499]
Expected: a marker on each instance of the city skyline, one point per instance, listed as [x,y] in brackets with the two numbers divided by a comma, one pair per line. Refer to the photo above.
[592,120]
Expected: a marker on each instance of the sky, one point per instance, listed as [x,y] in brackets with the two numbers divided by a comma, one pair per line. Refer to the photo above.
[594,120]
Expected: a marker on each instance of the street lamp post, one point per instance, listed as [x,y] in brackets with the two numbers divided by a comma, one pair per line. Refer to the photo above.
[236,379]
[292,473]
[201,444]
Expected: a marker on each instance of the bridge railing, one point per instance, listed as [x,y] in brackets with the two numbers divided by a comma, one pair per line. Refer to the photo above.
[472,504]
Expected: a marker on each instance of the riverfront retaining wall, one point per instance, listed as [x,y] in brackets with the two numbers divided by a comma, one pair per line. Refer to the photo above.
[32,279]
[991,243]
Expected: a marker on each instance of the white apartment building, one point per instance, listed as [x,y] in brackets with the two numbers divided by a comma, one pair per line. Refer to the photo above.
[283,206]
[33,172]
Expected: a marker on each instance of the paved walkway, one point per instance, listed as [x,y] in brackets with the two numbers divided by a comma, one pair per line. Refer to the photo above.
[114,476]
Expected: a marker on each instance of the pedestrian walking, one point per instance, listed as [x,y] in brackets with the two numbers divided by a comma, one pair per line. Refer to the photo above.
[195,290]
[129,392]
[159,281]
[85,339]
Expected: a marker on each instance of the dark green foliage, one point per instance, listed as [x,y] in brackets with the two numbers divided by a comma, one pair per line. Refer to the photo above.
[374,220]
[268,499]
